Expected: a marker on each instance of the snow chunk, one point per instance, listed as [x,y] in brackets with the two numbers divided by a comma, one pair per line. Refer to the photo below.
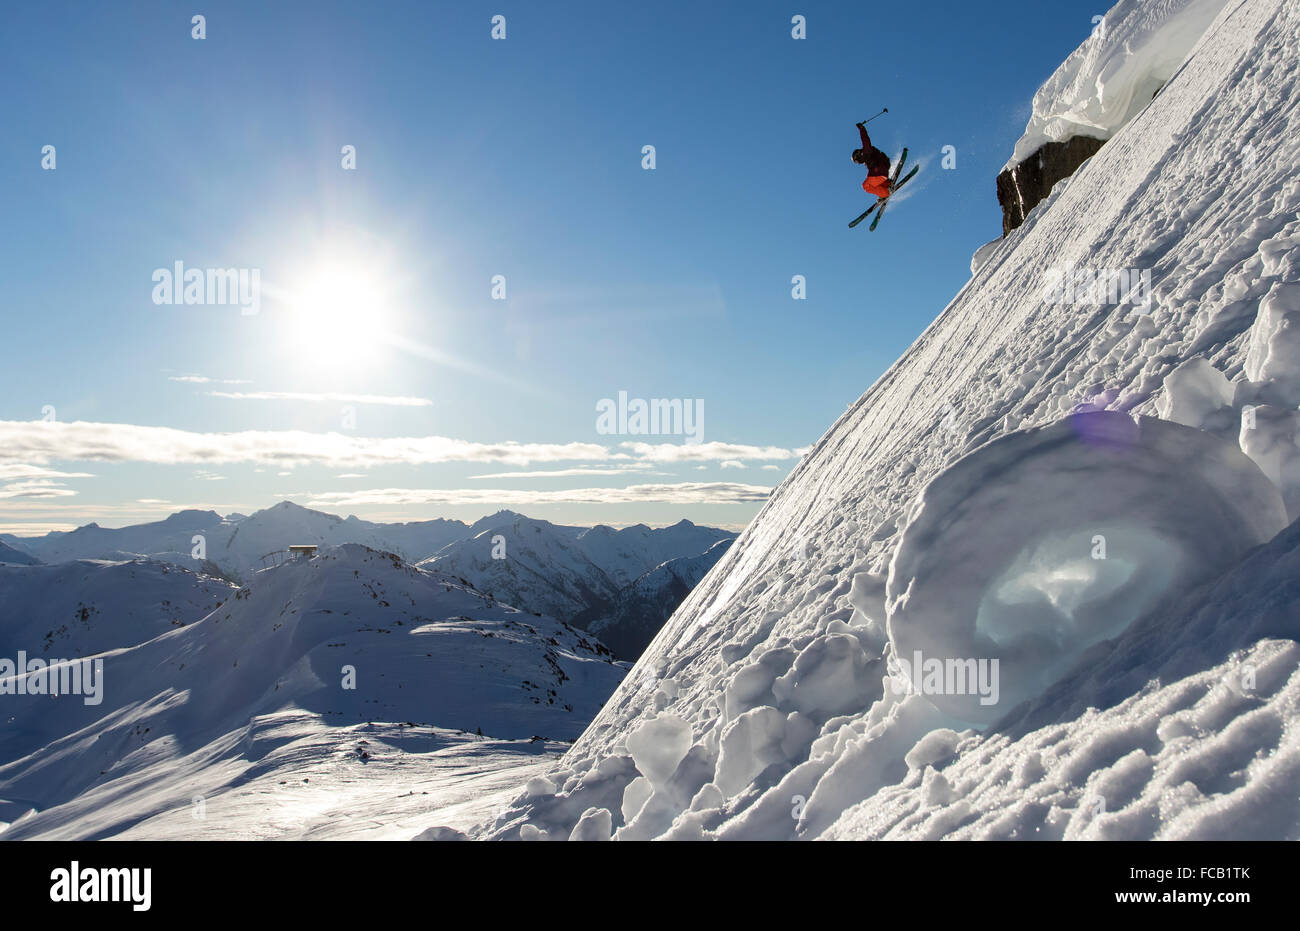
[983,254]
[935,747]
[1270,436]
[709,796]
[635,796]
[750,744]
[539,785]
[1193,392]
[658,745]
[1108,79]
[1046,541]
[441,833]
[830,676]
[595,824]
[1274,353]
[867,595]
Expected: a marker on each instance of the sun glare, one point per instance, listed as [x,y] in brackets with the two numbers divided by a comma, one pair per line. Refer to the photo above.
[340,315]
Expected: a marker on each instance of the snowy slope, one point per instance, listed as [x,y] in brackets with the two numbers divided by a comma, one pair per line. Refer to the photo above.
[773,704]
[585,576]
[16,557]
[85,607]
[92,541]
[627,554]
[530,563]
[204,707]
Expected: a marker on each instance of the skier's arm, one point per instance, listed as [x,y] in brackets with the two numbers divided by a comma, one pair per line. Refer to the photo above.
[866,140]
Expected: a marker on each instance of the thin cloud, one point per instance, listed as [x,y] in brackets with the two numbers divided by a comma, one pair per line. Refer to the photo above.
[35,529]
[678,493]
[205,380]
[34,443]
[36,488]
[23,441]
[700,452]
[560,473]
[42,513]
[19,470]
[384,399]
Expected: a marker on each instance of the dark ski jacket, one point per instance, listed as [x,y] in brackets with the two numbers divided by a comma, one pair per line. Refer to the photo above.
[877,161]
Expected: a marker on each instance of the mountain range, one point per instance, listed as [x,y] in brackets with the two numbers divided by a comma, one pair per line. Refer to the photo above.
[626,580]
[351,666]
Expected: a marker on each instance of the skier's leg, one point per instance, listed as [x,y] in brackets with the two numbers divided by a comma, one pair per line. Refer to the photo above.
[877,185]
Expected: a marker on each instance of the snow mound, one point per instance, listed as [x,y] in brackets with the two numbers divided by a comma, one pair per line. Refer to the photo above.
[1048,540]
[1198,741]
[1106,81]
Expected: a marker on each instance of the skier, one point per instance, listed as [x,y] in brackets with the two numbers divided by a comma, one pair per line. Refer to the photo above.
[881,180]
[876,162]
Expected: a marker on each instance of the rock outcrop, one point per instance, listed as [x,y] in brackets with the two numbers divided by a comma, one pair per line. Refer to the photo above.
[1022,186]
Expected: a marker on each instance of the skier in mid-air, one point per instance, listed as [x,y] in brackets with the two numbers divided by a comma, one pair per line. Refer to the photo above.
[881,181]
[876,162]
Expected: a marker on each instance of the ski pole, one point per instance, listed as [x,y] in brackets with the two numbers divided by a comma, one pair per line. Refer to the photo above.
[881,113]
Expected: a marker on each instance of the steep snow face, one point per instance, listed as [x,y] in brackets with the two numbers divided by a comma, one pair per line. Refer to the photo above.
[777,662]
[350,637]
[1131,53]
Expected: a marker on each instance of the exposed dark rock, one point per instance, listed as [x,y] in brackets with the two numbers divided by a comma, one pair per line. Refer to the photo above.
[1022,187]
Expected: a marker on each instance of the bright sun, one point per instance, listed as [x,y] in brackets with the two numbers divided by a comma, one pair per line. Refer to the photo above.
[339,315]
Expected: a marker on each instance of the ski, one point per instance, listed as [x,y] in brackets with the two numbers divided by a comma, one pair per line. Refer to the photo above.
[879,214]
[865,214]
[906,178]
[894,187]
[898,168]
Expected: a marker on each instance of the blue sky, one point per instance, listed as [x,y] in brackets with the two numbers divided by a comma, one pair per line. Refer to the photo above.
[476,158]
